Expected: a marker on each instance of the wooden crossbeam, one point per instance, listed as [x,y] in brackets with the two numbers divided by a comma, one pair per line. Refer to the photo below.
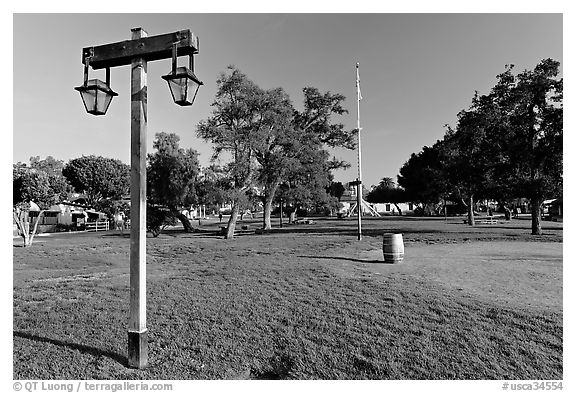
[151,48]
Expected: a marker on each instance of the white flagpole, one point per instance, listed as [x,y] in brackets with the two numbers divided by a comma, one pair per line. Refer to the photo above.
[359,180]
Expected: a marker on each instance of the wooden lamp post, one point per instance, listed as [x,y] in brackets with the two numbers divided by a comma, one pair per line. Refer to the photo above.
[97,95]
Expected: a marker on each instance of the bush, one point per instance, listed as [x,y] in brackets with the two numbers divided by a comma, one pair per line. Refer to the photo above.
[157,218]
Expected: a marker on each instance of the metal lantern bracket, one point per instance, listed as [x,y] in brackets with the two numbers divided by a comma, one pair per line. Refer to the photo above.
[175,58]
[86,69]
[86,64]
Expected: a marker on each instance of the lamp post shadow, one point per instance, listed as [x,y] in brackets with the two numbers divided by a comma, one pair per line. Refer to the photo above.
[94,351]
[372,261]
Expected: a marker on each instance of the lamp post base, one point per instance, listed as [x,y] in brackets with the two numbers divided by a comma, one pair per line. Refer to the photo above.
[138,349]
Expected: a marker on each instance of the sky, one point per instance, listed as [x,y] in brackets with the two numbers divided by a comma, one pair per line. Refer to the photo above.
[417,72]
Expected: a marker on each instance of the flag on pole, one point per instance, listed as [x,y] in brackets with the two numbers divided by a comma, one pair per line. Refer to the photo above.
[358,82]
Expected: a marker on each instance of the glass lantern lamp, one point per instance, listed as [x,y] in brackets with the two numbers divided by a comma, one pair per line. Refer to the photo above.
[96,95]
[183,85]
[182,82]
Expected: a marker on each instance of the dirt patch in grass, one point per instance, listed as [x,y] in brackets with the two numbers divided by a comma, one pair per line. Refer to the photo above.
[291,305]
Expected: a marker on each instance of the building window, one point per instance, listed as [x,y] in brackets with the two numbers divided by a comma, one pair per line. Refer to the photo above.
[387,207]
[410,206]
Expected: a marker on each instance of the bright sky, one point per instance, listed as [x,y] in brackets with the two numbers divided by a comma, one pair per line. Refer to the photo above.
[417,71]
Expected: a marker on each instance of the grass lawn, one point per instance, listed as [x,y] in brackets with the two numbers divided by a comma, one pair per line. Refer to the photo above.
[301,302]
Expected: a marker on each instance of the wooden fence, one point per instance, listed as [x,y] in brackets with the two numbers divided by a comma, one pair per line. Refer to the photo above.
[96,226]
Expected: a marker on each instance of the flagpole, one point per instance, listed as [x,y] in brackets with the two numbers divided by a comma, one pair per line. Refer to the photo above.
[359,180]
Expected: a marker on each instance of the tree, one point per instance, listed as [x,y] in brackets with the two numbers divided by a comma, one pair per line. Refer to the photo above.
[265,136]
[311,130]
[31,187]
[53,168]
[158,218]
[212,186]
[336,189]
[275,145]
[315,119]
[309,181]
[98,178]
[422,177]
[234,126]
[387,192]
[387,183]
[507,145]
[533,104]
[171,176]
[469,152]
[318,131]
[49,165]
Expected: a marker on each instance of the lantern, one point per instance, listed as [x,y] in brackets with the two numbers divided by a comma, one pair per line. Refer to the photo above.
[96,94]
[182,82]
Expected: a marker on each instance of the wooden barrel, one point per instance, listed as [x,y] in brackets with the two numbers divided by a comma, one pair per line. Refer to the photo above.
[393,248]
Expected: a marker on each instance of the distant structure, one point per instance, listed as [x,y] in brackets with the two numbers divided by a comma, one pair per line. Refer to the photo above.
[351,195]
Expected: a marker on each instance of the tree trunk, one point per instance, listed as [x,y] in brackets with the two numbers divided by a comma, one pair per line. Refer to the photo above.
[507,210]
[399,210]
[267,212]
[232,221]
[22,221]
[507,213]
[36,226]
[536,217]
[471,211]
[269,193]
[184,220]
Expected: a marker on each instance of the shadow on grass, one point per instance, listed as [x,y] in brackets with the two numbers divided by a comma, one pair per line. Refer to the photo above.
[347,259]
[123,360]
[513,225]
[343,231]
[126,234]
[280,368]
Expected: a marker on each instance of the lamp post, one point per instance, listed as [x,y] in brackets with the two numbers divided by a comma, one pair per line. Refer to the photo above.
[97,96]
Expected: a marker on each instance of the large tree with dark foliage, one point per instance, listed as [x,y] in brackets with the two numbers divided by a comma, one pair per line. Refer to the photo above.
[98,178]
[507,144]
[172,176]
[387,192]
[422,177]
[470,156]
[532,139]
